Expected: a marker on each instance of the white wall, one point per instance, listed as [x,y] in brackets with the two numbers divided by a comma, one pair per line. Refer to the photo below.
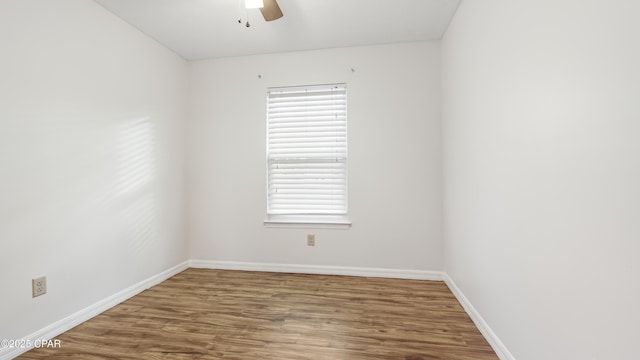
[394,158]
[541,124]
[74,80]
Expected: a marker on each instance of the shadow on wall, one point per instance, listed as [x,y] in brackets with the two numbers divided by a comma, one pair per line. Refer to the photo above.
[135,183]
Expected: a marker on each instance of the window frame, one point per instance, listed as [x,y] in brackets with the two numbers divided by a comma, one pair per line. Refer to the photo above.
[306,220]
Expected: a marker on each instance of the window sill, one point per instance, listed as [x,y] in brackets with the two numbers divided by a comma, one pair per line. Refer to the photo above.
[306,222]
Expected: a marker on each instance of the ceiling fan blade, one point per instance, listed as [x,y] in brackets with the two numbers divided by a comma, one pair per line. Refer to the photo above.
[271,11]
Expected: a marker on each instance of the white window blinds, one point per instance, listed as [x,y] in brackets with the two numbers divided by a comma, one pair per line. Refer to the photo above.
[307,150]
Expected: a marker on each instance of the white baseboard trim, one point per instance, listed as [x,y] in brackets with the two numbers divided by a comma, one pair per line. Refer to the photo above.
[319,269]
[493,340]
[87,313]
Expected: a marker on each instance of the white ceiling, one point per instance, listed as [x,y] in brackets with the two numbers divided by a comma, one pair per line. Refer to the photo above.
[200,29]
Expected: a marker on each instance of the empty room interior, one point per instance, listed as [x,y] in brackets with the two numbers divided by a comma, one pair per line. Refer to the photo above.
[320,179]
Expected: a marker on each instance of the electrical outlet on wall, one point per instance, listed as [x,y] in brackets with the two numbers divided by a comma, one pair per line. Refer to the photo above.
[39,286]
[311,240]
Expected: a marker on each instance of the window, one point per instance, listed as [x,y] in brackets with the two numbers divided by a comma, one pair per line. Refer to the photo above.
[307,154]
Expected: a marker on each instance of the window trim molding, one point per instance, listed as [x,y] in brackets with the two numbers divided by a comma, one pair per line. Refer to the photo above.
[338,222]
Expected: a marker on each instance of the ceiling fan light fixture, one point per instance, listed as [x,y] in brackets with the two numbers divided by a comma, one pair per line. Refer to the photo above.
[253,4]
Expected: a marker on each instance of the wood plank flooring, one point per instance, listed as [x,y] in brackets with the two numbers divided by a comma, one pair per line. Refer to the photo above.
[218,314]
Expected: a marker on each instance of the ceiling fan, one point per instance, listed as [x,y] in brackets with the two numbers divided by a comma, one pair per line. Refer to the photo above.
[269,8]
